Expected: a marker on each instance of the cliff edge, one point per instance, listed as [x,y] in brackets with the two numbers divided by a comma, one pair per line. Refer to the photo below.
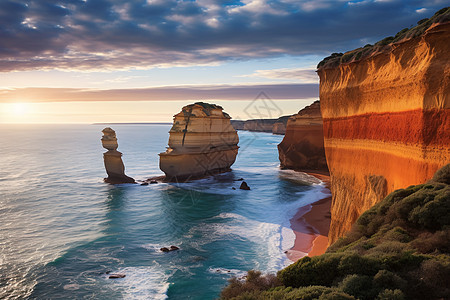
[386,118]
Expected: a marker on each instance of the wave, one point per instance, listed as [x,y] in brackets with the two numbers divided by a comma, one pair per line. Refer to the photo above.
[142,282]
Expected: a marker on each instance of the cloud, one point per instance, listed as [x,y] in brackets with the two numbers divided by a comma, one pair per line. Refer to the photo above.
[112,34]
[299,74]
[210,92]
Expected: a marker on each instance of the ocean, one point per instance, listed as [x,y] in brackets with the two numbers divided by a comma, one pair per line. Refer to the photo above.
[62,228]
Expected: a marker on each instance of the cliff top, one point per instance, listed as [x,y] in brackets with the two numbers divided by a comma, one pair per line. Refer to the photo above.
[206,108]
[335,59]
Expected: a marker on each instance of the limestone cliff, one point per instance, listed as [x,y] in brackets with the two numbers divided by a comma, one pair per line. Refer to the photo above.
[302,146]
[113,159]
[280,125]
[386,118]
[261,125]
[202,142]
[276,126]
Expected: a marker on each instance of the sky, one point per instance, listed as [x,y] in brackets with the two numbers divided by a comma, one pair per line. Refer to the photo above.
[85,61]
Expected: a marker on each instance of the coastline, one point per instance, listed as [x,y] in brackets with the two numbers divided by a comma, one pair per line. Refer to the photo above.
[311,224]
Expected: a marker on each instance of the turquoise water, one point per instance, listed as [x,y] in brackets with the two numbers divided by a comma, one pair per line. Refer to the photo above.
[62,228]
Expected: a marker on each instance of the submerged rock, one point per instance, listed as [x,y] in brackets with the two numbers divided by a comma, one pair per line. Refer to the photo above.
[114,276]
[202,142]
[171,248]
[244,186]
[113,159]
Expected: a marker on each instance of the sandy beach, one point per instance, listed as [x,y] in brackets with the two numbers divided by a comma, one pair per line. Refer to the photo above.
[311,225]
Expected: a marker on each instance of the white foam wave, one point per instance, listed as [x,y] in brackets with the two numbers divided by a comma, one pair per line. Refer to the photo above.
[143,282]
[231,272]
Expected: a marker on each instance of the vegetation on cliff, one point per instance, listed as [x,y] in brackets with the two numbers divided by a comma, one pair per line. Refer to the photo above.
[441,16]
[398,249]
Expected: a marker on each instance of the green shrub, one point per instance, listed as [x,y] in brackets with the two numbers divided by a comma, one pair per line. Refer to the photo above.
[336,295]
[359,286]
[428,242]
[391,295]
[397,234]
[254,282]
[385,279]
[318,270]
[357,264]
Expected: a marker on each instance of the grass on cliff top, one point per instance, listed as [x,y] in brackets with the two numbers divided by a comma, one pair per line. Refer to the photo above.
[335,59]
[398,249]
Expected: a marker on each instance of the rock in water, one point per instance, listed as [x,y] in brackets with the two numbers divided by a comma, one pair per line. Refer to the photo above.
[113,159]
[202,142]
[244,186]
[114,276]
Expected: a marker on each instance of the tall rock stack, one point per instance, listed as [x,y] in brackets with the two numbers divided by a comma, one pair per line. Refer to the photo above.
[113,159]
[386,114]
[302,146]
[201,142]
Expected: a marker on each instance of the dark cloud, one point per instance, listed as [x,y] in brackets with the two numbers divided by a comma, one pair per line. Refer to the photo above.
[212,92]
[112,34]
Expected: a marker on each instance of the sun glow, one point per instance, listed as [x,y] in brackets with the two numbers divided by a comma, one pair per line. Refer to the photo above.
[18,109]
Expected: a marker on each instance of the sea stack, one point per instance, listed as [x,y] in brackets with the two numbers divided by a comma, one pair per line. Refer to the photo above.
[202,142]
[386,116]
[113,159]
[302,146]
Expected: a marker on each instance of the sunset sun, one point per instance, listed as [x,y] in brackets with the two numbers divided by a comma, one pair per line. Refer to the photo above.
[19,109]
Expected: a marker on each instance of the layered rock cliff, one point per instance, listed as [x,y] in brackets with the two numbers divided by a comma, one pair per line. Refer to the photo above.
[113,159]
[202,142]
[302,146]
[386,118]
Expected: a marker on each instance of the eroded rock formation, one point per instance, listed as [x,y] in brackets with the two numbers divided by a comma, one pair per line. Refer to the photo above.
[302,146]
[202,142]
[386,120]
[113,159]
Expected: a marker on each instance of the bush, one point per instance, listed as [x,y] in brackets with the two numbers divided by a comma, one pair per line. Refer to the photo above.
[359,286]
[442,175]
[385,279]
[438,241]
[254,282]
[391,295]
[318,270]
[397,234]
[357,264]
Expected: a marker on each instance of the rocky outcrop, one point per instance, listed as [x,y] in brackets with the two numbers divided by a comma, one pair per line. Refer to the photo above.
[202,142]
[302,146]
[113,159]
[386,120]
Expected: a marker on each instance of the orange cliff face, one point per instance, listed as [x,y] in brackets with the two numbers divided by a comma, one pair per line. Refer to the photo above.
[386,122]
[302,147]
